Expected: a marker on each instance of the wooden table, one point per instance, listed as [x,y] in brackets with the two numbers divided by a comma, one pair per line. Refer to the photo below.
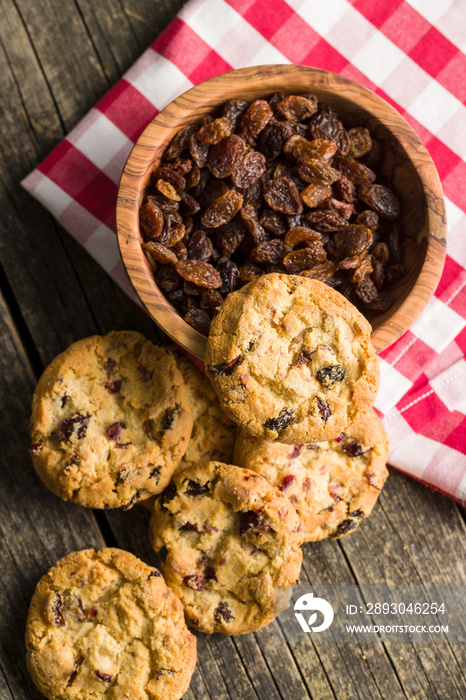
[57,57]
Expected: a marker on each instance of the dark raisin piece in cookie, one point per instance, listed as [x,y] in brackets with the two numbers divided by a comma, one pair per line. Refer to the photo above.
[196,489]
[324,409]
[282,421]
[226,368]
[223,612]
[328,376]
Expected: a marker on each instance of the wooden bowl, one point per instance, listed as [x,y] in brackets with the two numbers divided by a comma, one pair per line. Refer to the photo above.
[406,164]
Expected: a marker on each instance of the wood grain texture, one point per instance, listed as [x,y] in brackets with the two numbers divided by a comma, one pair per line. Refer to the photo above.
[407,165]
[53,294]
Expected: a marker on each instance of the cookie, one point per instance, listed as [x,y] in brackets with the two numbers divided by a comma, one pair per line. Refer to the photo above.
[105,625]
[213,435]
[110,421]
[230,538]
[332,485]
[291,360]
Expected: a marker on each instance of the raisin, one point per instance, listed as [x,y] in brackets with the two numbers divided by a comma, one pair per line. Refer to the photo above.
[195,582]
[168,495]
[314,195]
[188,205]
[360,141]
[326,126]
[316,171]
[374,155]
[230,237]
[222,210]
[366,290]
[183,166]
[353,448]
[194,488]
[214,190]
[249,272]
[200,273]
[106,677]
[189,527]
[286,482]
[233,110]
[77,665]
[270,251]
[274,222]
[324,409]
[300,147]
[199,320]
[381,199]
[174,232]
[255,119]
[200,246]
[283,195]
[36,447]
[170,176]
[301,234]
[224,157]
[114,387]
[248,521]
[325,220]
[180,250]
[214,131]
[322,271]
[328,376]
[272,139]
[93,612]
[296,451]
[76,423]
[113,433]
[168,279]
[229,274]
[151,220]
[249,216]
[251,168]
[304,258]
[369,219]
[355,171]
[223,613]
[59,610]
[344,189]
[179,143]
[226,368]
[344,209]
[363,269]
[282,421]
[155,573]
[194,177]
[344,527]
[353,239]
[160,253]
[394,273]
[199,151]
[210,574]
[169,417]
[297,107]
[210,301]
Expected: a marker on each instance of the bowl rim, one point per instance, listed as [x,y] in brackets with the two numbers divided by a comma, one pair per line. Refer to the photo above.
[143,151]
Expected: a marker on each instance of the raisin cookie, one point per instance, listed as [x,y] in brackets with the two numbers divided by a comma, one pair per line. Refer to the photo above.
[332,485]
[291,360]
[230,538]
[213,435]
[105,625]
[110,421]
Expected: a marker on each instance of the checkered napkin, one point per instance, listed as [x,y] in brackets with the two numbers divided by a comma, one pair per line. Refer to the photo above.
[411,52]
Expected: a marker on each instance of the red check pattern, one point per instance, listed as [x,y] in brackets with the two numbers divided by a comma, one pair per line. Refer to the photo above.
[412,53]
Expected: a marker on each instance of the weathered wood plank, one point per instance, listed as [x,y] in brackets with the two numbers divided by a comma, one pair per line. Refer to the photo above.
[35,528]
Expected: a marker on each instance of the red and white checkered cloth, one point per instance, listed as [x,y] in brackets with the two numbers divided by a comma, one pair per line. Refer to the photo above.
[412,53]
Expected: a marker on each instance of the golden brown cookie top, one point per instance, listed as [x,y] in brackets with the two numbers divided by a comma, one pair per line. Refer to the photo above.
[110,421]
[332,485]
[105,625]
[230,538]
[291,359]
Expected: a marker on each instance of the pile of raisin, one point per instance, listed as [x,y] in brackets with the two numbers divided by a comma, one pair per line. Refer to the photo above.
[277,185]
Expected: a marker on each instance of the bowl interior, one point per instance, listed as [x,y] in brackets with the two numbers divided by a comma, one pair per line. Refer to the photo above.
[406,165]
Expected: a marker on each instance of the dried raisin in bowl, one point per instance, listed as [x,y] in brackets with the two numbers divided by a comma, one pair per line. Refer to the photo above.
[405,165]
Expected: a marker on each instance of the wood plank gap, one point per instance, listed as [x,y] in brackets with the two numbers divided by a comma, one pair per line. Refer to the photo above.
[19,329]
[59,115]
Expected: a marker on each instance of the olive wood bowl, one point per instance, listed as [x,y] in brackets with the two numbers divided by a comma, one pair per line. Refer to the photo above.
[406,164]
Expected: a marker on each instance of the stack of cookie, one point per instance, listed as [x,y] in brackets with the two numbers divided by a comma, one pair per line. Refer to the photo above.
[280,447]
